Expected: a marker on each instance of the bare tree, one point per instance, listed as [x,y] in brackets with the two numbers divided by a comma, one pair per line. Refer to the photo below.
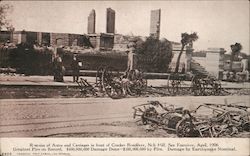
[4,22]
[185,40]
[236,48]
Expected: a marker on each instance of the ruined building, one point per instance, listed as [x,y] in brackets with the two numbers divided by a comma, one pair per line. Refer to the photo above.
[102,41]
[91,22]
[155,23]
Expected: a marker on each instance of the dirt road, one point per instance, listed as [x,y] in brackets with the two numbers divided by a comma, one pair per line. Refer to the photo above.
[86,117]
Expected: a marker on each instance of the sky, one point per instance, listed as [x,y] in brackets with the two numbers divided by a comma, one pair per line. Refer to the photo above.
[217,23]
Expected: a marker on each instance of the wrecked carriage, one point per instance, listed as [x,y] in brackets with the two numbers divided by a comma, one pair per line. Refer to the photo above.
[207,120]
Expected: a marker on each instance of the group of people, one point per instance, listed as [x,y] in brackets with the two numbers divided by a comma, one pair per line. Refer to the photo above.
[59,69]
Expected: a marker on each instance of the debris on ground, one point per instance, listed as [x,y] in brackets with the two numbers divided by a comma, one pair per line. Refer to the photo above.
[207,120]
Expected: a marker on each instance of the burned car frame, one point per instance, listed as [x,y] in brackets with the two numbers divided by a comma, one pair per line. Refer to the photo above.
[207,120]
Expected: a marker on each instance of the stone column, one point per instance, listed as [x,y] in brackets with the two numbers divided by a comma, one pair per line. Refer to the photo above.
[39,38]
[110,25]
[98,41]
[91,22]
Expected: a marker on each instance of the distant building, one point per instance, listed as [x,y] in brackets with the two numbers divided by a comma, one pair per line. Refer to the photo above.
[110,25]
[155,23]
[91,22]
[44,38]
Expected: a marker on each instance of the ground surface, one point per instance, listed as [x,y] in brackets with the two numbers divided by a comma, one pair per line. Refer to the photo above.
[88,117]
[34,106]
[48,80]
[18,86]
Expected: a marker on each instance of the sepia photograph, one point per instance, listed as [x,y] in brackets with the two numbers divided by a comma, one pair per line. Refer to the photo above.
[124,70]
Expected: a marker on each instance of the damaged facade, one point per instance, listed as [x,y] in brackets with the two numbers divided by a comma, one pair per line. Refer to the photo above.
[102,41]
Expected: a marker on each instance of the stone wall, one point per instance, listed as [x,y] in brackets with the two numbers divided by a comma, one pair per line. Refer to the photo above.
[59,39]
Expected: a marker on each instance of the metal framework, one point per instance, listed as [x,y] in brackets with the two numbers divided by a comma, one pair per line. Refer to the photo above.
[205,86]
[117,85]
[175,80]
[224,120]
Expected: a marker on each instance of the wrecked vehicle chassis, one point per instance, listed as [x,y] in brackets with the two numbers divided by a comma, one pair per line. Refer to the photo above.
[207,120]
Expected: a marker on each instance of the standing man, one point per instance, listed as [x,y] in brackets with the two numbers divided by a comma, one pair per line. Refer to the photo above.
[132,58]
[75,69]
[58,69]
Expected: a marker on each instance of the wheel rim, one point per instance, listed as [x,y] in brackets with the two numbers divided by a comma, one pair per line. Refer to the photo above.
[185,128]
[111,85]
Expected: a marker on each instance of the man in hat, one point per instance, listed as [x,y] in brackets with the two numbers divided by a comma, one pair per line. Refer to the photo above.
[75,69]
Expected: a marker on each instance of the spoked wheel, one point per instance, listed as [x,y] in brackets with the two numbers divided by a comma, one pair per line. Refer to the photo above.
[136,83]
[111,84]
[174,85]
[196,87]
[204,88]
[133,88]
[217,88]
[99,78]
[185,128]
[147,114]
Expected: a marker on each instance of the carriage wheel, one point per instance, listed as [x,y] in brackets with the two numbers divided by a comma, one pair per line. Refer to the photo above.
[111,84]
[136,83]
[148,113]
[196,87]
[136,87]
[173,86]
[217,88]
[185,128]
[210,88]
[99,78]
[204,88]
[132,86]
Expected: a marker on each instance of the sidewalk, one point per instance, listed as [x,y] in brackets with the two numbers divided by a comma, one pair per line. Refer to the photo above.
[17,80]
